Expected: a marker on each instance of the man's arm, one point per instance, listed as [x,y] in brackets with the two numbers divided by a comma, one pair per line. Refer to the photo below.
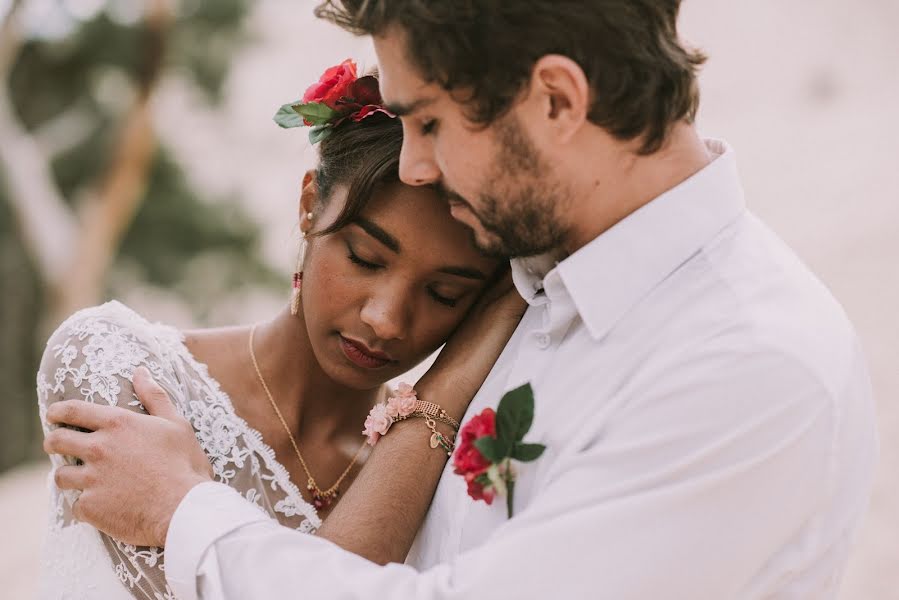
[696,513]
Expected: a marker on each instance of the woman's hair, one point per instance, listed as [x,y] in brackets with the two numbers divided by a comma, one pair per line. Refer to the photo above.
[361,155]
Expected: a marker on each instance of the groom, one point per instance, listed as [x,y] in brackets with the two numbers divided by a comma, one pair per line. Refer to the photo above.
[705,405]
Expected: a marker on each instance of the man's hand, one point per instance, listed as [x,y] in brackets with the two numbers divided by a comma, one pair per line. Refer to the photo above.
[136,468]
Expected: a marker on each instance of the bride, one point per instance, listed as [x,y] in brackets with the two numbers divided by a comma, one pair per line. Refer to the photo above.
[387,275]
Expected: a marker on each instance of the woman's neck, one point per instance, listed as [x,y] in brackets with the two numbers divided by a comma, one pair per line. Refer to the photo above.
[303,392]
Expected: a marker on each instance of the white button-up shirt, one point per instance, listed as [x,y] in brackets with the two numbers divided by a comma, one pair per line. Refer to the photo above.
[709,426]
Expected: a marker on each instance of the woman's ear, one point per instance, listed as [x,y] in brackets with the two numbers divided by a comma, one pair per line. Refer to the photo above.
[308,201]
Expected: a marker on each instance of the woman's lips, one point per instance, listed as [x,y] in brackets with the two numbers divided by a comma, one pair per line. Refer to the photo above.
[361,355]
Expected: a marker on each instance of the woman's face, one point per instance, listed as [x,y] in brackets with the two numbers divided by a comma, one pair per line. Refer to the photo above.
[385,291]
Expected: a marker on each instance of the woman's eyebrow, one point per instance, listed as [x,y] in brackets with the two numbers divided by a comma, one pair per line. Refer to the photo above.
[379,234]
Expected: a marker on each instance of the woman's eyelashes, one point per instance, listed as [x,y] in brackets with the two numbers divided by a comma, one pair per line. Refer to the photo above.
[362,263]
[451,302]
[370,266]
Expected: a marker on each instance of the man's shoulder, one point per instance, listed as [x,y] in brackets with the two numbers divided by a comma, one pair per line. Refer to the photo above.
[744,302]
[775,303]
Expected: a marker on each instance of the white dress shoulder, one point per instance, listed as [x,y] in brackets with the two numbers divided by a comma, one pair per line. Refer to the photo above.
[92,357]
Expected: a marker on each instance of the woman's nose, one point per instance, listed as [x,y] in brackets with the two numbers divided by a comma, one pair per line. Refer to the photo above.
[388,314]
[417,164]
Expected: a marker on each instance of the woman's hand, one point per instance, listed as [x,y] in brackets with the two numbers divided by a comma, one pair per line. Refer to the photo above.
[469,354]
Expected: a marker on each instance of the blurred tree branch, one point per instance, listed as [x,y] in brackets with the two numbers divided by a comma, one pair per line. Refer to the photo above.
[46,224]
[63,132]
[92,202]
[84,240]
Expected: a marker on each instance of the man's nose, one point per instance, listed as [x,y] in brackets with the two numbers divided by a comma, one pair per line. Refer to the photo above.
[417,164]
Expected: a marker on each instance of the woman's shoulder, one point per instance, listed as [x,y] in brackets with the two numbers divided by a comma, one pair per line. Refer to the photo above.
[116,317]
[97,348]
[113,328]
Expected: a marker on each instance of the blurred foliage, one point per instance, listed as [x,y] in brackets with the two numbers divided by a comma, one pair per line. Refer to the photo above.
[88,75]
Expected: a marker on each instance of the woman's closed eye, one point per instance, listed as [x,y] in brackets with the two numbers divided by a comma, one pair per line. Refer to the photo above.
[451,302]
[354,258]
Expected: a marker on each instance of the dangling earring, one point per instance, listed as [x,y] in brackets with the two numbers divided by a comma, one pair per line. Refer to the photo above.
[298,275]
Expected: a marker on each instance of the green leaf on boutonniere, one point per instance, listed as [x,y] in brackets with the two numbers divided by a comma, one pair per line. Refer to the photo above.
[319,132]
[489,448]
[315,112]
[287,117]
[527,452]
[514,416]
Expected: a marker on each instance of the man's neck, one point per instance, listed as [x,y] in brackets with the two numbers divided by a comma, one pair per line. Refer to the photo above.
[632,181]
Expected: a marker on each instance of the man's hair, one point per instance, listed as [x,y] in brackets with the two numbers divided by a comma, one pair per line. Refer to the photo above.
[643,80]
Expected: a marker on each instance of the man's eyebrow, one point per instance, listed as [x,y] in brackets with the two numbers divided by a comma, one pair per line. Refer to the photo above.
[401,110]
[464,272]
[378,233]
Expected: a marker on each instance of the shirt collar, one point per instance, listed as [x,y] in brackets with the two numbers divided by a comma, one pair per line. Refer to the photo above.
[619,267]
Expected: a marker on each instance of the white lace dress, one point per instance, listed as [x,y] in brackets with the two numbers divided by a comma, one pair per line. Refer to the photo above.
[92,357]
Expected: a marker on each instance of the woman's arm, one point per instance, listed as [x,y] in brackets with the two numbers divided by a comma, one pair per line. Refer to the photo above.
[383,509]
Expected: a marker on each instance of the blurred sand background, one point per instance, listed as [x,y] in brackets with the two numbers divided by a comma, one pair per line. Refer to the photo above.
[806,91]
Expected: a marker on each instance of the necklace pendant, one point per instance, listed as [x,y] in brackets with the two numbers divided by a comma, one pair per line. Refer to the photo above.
[321,500]
[435,441]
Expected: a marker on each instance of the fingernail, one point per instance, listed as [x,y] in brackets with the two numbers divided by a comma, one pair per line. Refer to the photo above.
[141,372]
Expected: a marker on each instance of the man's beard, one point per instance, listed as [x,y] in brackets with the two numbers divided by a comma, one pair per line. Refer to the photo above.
[519,208]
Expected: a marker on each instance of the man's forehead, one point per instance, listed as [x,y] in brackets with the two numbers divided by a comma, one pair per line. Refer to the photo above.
[399,81]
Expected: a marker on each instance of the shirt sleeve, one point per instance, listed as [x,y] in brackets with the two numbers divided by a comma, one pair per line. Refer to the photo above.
[694,510]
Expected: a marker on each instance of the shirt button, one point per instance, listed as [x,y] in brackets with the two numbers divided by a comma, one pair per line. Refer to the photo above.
[542,340]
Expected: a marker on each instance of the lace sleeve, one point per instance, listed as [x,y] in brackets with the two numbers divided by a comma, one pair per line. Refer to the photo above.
[92,357]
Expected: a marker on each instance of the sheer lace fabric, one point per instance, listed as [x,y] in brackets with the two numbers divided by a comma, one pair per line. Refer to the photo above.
[92,357]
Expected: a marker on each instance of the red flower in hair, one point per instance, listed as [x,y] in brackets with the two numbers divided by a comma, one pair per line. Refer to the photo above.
[338,95]
[332,85]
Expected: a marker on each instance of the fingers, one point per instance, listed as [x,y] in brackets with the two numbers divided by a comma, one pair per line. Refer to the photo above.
[69,442]
[152,396]
[71,478]
[78,413]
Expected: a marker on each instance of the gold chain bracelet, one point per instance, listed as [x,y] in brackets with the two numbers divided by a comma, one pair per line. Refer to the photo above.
[404,406]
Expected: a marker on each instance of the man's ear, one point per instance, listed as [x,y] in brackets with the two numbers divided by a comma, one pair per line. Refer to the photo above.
[562,93]
[308,200]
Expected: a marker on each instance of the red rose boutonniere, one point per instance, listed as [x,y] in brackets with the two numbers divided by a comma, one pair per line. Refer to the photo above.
[490,441]
[338,95]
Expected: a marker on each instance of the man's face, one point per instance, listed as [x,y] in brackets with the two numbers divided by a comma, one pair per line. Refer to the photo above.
[495,179]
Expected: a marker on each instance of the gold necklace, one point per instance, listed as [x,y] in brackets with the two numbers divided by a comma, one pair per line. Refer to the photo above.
[320,498]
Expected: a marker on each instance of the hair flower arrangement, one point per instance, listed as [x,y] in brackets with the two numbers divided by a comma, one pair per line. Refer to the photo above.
[339,95]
